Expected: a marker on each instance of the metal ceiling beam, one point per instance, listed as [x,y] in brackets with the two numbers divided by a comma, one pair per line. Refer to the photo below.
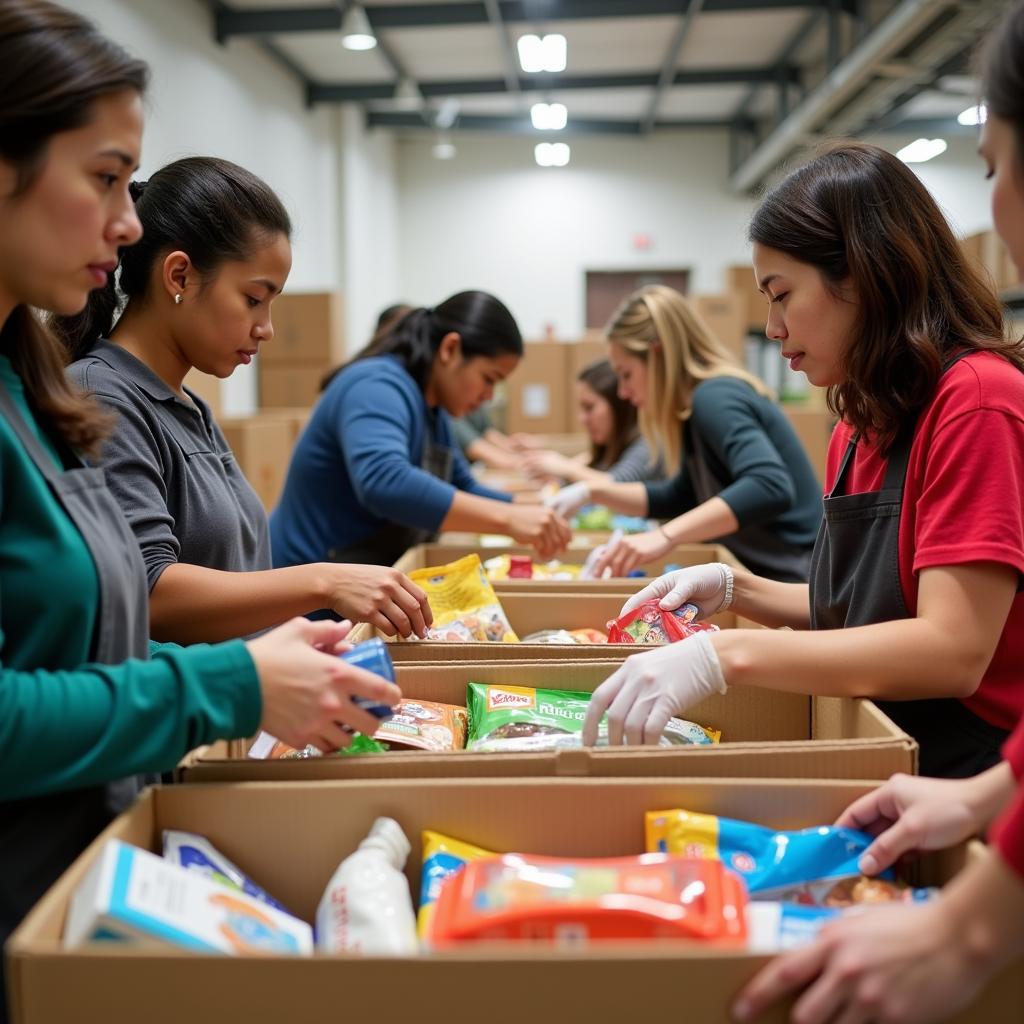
[269,21]
[522,125]
[347,92]
[508,57]
[668,65]
[924,126]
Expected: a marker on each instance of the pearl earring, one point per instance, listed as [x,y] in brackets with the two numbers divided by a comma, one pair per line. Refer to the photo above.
[177,299]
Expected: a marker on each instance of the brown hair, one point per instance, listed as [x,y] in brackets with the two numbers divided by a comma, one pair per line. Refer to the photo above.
[861,216]
[600,378]
[1002,72]
[53,66]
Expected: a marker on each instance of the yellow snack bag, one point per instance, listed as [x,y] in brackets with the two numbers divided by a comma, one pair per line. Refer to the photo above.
[683,833]
[442,858]
[464,604]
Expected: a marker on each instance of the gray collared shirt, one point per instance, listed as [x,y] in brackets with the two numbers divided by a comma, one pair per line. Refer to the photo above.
[170,468]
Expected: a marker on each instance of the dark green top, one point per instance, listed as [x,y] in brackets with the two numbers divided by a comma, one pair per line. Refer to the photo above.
[65,724]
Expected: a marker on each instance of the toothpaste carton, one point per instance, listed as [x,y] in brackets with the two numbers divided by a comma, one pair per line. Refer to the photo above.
[136,897]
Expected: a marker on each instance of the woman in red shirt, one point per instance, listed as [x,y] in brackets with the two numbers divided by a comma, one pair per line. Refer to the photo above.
[923,963]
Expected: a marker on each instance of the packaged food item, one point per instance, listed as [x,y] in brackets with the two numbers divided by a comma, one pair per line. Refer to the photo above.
[464,604]
[424,725]
[774,927]
[814,866]
[366,907]
[499,568]
[196,853]
[650,624]
[589,636]
[521,718]
[550,636]
[573,902]
[266,748]
[443,856]
[520,567]
[133,896]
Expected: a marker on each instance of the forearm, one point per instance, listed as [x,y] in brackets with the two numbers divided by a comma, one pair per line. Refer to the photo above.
[192,604]
[495,457]
[713,518]
[472,513]
[574,472]
[990,792]
[770,603]
[629,499]
[907,659]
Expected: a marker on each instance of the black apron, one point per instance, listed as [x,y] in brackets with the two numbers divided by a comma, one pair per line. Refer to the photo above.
[855,581]
[392,540]
[41,836]
[759,548]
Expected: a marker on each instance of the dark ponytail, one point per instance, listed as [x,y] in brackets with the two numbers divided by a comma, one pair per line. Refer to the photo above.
[54,66]
[483,323]
[1002,72]
[211,209]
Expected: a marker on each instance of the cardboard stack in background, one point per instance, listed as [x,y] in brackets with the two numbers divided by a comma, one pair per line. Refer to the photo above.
[262,446]
[308,342]
[990,255]
[726,315]
[291,837]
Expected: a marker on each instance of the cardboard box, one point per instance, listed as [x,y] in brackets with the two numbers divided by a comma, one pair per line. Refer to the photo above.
[308,328]
[536,391]
[991,256]
[291,837]
[296,385]
[726,315]
[262,446]
[814,428]
[764,733]
[740,281]
[208,388]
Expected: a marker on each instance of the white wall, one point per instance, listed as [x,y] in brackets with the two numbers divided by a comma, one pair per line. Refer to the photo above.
[492,219]
[234,102]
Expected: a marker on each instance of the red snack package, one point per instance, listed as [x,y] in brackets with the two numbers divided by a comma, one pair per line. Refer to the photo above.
[649,624]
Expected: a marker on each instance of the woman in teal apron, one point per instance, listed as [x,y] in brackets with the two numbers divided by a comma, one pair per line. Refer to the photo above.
[914,597]
[85,705]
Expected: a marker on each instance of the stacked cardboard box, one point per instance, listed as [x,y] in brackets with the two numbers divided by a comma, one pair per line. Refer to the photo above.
[262,446]
[990,255]
[726,315]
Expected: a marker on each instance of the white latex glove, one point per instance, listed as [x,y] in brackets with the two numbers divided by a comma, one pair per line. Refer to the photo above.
[650,688]
[709,587]
[569,500]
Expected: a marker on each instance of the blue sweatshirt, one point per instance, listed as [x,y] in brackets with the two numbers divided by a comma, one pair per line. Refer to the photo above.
[356,466]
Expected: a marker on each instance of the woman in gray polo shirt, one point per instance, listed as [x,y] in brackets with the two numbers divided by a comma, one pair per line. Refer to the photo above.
[215,252]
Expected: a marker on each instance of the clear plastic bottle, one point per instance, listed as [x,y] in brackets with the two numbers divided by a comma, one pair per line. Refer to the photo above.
[366,907]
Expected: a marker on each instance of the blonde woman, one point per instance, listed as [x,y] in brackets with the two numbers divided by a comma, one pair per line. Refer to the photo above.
[736,470]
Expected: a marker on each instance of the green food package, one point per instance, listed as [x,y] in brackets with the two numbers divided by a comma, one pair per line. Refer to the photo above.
[363,745]
[521,718]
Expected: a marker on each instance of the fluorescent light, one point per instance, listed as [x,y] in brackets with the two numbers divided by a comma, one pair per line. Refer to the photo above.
[542,54]
[443,149]
[551,154]
[973,115]
[356,30]
[921,150]
[551,117]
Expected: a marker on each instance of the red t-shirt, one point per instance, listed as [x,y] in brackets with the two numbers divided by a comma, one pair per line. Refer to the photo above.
[1008,831]
[963,501]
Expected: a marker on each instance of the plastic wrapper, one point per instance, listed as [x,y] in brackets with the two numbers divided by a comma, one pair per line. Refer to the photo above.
[443,857]
[424,725]
[574,901]
[649,624]
[524,719]
[500,567]
[814,867]
[464,604]
[599,519]
[566,636]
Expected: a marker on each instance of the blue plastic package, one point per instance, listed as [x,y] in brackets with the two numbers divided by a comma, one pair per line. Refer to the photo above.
[373,656]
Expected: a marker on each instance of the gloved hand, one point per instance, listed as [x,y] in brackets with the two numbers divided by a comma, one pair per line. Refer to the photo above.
[709,587]
[569,500]
[650,688]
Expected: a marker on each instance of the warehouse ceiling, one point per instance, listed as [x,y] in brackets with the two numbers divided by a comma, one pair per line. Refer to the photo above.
[778,74]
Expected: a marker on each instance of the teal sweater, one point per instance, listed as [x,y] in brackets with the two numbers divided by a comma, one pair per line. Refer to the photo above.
[66,724]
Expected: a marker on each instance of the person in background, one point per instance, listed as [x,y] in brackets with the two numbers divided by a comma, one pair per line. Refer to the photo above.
[737,470]
[481,442]
[377,469]
[914,598]
[197,291]
[618,453]
[922,964]
[85,706]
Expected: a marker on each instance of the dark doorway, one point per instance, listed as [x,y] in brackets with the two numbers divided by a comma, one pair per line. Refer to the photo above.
[607,288]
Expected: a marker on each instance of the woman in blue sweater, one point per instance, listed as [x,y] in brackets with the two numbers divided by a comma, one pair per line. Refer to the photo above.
[737,471]
[377,469]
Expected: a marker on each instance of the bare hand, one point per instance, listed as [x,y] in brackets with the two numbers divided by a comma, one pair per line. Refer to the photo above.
[546,465]
[307,688]
[381,596]
[623,557]
[541,527]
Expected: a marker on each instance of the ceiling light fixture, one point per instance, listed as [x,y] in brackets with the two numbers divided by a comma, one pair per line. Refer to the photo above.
[973,115]
[443,148]
[551,154]
[547,53]
[356,30]
[549,117]
[921,150]
[407,94]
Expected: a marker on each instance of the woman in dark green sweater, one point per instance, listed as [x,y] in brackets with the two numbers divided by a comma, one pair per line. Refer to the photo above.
[737,471]
[85,704]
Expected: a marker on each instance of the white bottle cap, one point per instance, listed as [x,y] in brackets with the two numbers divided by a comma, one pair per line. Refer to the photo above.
[387,835]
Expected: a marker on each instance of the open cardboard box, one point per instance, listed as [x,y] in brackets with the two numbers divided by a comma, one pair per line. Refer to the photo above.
[764,733]
[290,837]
